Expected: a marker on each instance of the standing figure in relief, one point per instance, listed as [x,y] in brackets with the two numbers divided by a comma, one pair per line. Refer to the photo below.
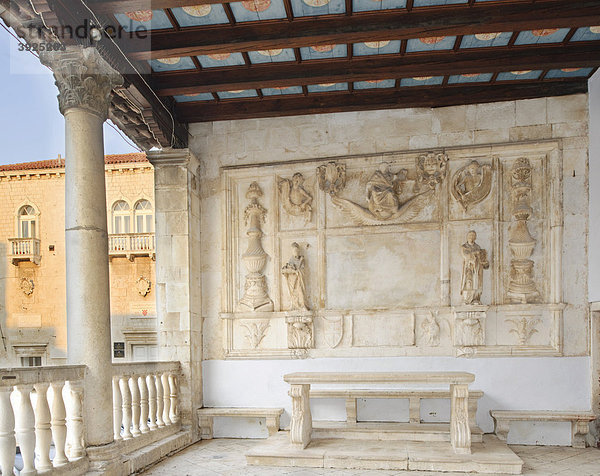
[293,272]
[474,262]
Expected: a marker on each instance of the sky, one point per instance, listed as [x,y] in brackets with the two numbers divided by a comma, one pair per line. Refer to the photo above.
[31,126]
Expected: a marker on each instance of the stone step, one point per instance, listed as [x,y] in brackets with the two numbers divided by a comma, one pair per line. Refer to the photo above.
[489,456]
[392,431]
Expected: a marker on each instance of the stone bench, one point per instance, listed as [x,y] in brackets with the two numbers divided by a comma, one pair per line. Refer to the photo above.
[414,400]
[301,424]
[206,416]
[579,422]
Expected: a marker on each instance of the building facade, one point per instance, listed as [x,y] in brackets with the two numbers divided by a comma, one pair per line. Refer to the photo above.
[32,265]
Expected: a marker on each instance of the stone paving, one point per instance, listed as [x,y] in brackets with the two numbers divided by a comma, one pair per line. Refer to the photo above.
[226,457]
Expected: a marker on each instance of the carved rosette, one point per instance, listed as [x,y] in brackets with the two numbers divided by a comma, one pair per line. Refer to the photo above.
[521,287]
[84,79]
[255,296]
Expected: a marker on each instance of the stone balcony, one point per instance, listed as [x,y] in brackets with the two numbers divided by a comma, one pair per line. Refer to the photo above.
[131,245]
[24,249]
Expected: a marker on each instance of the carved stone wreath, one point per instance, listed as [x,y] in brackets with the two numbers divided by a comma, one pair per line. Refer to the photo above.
[143,285]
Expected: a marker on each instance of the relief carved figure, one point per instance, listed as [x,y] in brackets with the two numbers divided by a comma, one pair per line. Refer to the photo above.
[386,194]
[474,262]
[521,287]
[431,330]
[293,272]
[255,296]
[431,170]
[295,199]
[332,177]
[472,184]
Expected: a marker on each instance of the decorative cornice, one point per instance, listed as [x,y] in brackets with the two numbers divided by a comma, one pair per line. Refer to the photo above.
[164,157]
[84,79]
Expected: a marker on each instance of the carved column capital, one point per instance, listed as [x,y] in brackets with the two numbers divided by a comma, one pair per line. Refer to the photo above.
[84,79]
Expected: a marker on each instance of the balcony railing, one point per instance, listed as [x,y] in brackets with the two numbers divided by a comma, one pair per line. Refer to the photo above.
[33,421]
[24,249]
[131,245]
[145,398]
[41,412]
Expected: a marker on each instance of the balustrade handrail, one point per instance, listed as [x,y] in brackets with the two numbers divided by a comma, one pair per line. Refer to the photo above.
[137,368]
[32,375]
[24,246]
[119,242]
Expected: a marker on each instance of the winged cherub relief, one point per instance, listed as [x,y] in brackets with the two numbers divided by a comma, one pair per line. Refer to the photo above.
[472,184]
[388,194]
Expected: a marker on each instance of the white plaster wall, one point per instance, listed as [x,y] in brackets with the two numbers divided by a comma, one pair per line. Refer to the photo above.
[509,383]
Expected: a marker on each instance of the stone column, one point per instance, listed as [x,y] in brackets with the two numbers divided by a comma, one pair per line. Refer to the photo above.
[177,198]
[85,82]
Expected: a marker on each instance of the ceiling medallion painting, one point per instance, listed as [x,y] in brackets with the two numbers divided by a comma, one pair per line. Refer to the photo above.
[256,5]
[198,10]
[390,197]
[472,184]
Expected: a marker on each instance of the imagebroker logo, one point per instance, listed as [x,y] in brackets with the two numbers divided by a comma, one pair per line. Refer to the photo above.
[88,30]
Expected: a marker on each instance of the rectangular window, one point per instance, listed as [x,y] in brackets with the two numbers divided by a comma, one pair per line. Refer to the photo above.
[117,225]
[31,361]
[24,229]
[32,229]
[140,224]
[149,223]
[126,225]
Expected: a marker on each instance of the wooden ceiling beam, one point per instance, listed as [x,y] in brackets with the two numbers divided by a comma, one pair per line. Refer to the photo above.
[381,99]
[440,63]
[123,6]
[482,17]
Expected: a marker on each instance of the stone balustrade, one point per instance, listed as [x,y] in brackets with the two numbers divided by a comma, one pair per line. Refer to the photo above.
[145,397]
[41,407]
[131,245]
[24,249]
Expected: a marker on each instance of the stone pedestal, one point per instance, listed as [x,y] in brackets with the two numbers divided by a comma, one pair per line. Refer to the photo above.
[469,325]
[85,82]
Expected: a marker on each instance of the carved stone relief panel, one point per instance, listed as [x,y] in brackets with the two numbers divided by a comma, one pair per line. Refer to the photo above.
[255,297]
[395,254]
[395,329]
[296,194]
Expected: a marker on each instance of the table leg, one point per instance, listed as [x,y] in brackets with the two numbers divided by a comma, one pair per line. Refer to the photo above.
[460,432]
[301,425]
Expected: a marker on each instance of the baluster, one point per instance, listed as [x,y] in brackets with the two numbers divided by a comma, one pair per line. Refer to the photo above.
[143,404]
[159,402]
[126,399]
[43,435]
[24,428]
[117,410]
[173,413]
[7,433]
[166,397]
[135,406]
[75,417]
[58,422]
[151,401]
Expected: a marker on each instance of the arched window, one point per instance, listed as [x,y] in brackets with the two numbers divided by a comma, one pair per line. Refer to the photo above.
[27,222]
[121,217]
[144,217]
